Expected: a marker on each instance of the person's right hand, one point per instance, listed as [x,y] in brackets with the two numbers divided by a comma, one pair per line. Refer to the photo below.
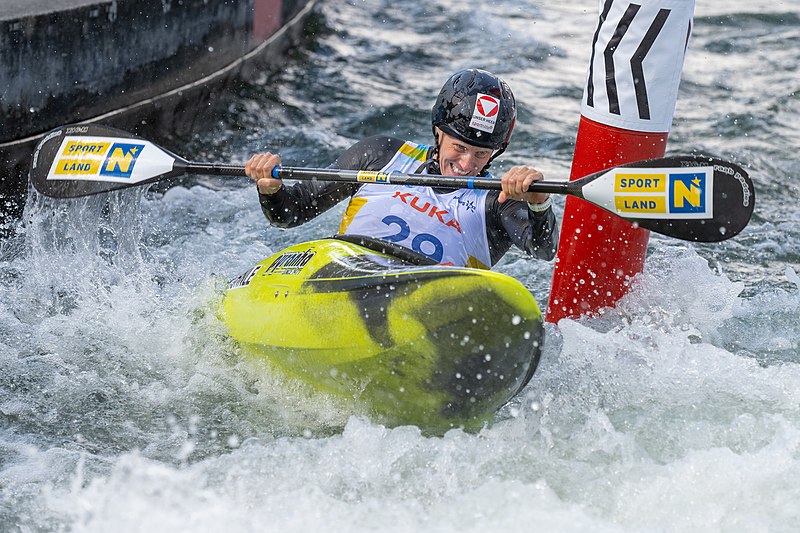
[259,168]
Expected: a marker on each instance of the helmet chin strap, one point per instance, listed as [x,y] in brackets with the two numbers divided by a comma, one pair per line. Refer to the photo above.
[489,162]
[432,164]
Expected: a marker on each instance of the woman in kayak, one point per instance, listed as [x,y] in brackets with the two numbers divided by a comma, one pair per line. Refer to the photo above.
[473,118]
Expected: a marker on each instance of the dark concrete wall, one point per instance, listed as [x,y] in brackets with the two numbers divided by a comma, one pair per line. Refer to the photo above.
[65,61]
[83,61]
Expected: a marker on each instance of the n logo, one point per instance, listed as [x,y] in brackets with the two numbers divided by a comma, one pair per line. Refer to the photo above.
[121,160]
[687,193]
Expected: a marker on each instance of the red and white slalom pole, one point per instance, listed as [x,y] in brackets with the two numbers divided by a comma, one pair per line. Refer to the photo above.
[628,103]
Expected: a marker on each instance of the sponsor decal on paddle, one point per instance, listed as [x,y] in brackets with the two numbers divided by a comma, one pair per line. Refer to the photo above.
[290,262]
[484,116]
[101,158]
[121,160]
[687,193]
[106,159]
[368,176]
[656,193]
[80,157]
[245,279]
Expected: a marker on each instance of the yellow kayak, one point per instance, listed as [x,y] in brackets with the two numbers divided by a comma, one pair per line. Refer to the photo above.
[367,321]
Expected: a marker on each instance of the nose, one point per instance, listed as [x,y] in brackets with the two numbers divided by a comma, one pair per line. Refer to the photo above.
[468,162]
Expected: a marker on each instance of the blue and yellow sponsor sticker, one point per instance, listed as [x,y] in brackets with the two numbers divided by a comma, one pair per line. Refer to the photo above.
[687,192]
[121,159]
[640,182]
[368,176]
[641,204]
[81,157]
[661,193]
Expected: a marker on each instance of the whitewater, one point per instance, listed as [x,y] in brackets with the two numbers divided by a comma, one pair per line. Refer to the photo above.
[124,407]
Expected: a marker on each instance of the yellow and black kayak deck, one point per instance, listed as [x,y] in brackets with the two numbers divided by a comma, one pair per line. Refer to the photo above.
[364,320]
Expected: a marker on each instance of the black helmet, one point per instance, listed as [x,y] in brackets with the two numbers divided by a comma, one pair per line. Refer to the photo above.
[476,107]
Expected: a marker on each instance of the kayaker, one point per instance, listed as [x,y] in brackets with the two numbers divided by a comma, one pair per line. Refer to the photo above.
[472,121]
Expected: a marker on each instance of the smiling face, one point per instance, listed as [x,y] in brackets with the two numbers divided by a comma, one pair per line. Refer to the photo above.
[457,158]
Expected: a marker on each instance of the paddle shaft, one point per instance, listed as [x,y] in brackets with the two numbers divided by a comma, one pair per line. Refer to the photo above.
[397,178]
[695,198]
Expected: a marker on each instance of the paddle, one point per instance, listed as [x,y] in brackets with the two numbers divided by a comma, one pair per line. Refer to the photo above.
[694,198]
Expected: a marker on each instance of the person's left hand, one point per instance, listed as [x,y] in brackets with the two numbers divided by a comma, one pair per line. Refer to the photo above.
[515,183]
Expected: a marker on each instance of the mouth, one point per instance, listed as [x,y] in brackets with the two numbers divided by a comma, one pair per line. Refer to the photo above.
[455,171]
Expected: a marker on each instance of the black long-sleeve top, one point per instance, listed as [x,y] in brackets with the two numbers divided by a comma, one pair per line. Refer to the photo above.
[508,223]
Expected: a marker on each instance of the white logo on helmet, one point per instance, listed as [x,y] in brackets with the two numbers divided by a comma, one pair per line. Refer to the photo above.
[484,116]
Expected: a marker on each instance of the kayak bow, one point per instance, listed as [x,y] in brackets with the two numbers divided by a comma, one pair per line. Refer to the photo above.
[365,320]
